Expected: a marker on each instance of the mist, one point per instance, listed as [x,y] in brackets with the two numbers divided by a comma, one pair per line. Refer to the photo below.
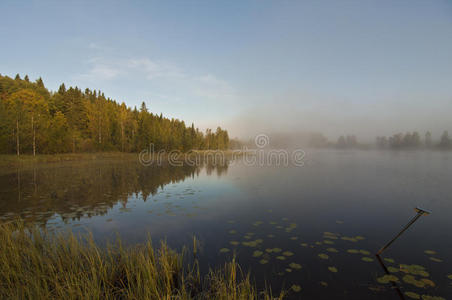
[297,116]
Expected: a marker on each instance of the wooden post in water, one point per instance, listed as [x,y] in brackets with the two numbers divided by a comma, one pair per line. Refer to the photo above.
[419,213]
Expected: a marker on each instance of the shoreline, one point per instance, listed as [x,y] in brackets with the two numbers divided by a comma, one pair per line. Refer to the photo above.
[24,160]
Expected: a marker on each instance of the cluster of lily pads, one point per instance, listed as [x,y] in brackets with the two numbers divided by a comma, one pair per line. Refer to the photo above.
[411,274]
[264,256]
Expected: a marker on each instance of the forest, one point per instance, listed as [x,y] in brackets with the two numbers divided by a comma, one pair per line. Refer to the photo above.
[414,140]
[35,120]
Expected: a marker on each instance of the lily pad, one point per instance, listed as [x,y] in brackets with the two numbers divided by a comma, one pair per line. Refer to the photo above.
[295,266]
[277,250]
[389,260]
[364,252]
[353,251]
[294,238]
[285,219]
[367,259]
[334,250]
[428,297]
[323,283]
[296,288]
[412,295]
[257,253]
[329,233]
[428,282]
[271,235]
[250,244]
[224,250]
[269,250]
[235,243]
[393,269]
[323,256]
[287,253]
[332,269]
[263,261]
[304,244]
[430,252]
[288,270]
[281,257]
[387,278]
[414,270]
[328,242]
[436,259]
[232,231]
[350,239]
[449,276]
[412,280]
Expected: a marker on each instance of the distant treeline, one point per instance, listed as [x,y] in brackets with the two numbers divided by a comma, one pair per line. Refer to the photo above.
[35,120]
[409,140]
[414,140]
[396,141]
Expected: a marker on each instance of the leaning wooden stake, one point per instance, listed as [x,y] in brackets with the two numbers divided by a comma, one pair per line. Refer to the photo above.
[419,213]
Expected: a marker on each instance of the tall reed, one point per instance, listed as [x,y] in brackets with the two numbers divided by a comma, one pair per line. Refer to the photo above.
[35,264]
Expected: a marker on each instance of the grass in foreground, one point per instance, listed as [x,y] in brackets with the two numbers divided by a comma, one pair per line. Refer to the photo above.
[35,264]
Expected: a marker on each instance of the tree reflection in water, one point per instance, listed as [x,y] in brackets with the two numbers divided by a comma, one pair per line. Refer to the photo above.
[74,190]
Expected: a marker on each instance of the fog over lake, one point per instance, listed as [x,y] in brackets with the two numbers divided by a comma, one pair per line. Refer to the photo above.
[317,225]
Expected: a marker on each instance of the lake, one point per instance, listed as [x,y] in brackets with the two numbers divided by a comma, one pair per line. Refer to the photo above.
[317,225]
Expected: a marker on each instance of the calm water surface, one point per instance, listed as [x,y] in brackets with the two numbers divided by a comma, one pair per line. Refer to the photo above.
[316,226]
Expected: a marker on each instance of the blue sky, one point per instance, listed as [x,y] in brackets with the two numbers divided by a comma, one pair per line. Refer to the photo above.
[362,67]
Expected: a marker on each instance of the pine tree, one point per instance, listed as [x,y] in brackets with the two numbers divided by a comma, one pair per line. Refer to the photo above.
[40,83]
